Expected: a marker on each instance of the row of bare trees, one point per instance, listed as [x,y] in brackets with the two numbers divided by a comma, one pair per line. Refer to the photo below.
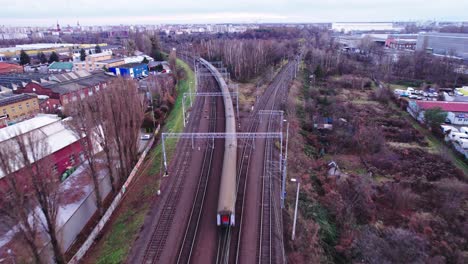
[108,123]
[245,58]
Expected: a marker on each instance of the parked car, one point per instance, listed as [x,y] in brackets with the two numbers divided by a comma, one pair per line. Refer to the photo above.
[145,137]
[412,96]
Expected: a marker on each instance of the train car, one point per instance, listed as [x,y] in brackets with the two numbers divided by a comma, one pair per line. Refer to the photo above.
[227,191]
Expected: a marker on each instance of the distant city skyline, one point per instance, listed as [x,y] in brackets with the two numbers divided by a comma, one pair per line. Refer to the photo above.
[89,12]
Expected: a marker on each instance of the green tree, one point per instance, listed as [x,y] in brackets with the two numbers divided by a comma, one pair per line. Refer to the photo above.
[24,58]
[53,57]
[156,49]
[97,49]
[42,57]
[318,72]
[82,55]
[145,60]
[434,117]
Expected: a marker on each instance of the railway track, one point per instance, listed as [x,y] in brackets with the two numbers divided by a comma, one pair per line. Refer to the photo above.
[161,229]
[229,239]
[190,236]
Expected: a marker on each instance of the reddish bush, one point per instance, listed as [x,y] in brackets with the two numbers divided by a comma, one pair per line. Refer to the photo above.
[391,245]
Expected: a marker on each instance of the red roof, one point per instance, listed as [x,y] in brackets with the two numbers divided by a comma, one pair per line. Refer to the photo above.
[9,68]
[446,106]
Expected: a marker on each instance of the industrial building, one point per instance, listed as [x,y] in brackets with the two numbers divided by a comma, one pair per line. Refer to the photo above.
[55,142]
[62,90]
[457,112]
[16,107]
[133,70]
[449,44]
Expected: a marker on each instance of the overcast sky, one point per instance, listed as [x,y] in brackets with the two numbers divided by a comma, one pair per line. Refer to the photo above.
[92,12]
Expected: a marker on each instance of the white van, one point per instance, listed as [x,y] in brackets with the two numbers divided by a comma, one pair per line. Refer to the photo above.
[464,130]
[457,136]
[447,129]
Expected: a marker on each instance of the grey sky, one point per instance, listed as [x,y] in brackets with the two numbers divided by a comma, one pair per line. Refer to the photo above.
[89,12]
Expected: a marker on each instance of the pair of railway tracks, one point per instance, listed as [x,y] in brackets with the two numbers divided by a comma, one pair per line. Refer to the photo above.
[157,242]
[268,250]
[190,235]
[230,238]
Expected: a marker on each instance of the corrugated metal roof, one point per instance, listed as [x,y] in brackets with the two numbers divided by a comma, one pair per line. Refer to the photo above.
[14,98]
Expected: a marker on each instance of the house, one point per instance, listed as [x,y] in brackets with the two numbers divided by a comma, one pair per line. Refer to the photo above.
[56,143]
[10,68]
[18,107]
[66,88]
[457,112]
[58,67]
[133,70]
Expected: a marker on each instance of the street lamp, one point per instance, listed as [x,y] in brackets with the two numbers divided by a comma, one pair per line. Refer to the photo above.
[191,93]
[295,208]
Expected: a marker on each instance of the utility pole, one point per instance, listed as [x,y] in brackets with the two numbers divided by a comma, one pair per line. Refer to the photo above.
[183,108]
[295,208]
[152,108]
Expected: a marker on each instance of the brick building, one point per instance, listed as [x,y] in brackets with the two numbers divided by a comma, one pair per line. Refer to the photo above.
[62,92]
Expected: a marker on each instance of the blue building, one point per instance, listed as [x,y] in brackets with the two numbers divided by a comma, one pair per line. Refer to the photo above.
[133,70]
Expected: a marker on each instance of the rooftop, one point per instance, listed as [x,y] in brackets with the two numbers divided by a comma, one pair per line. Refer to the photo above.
[446,106]
[7,80]
[6,67]
[7,99]
[48,132]
[112,60]
[61,66]
[130,65]
[27,126]
[67,86]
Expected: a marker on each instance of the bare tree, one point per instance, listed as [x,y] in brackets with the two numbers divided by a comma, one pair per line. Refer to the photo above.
[32,151]
[126,112]
[83,126]
[16,207]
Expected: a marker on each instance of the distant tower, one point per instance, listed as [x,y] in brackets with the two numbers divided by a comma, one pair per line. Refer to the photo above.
[58,26]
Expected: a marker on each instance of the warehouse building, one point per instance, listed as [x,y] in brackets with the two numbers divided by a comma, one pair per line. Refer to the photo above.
[457,112]
[449,44]
[133,70]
